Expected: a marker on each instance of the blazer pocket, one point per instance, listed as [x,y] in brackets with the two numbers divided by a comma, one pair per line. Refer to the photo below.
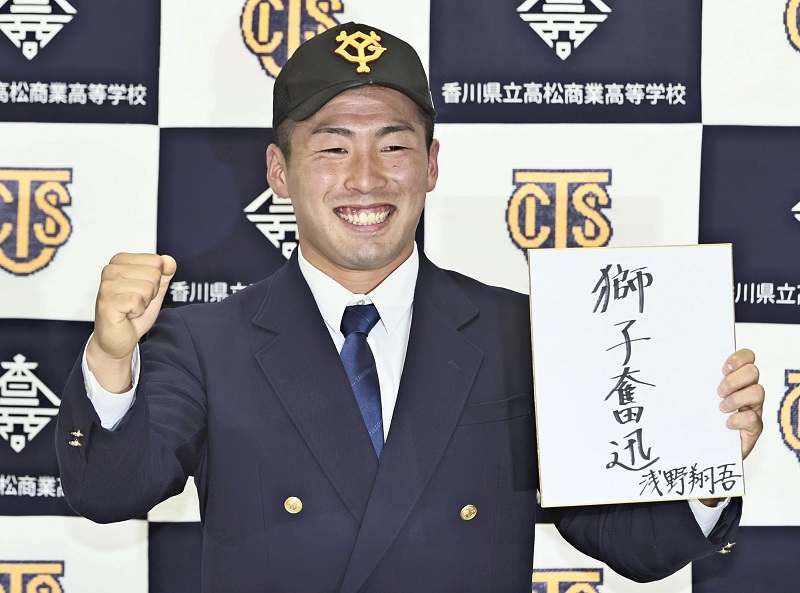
[505,409]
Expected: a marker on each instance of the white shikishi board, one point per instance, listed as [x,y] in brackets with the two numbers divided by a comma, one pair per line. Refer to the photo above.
[628,350]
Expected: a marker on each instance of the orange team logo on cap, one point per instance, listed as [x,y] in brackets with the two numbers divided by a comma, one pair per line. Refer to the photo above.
[361,43]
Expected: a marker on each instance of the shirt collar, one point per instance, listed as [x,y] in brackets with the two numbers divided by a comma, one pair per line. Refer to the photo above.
[392,298]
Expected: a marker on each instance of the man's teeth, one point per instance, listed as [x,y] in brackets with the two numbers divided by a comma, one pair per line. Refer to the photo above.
[364,217]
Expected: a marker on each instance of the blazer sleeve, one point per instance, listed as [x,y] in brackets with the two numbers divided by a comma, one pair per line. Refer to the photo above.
[646,541]
[117,475]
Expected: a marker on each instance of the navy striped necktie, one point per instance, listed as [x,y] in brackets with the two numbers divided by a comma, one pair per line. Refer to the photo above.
[359,364]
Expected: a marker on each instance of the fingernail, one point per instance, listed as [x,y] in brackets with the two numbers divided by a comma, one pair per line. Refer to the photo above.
[723,406]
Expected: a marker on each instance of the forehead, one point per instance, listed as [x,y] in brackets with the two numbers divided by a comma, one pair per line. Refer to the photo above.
[367,103]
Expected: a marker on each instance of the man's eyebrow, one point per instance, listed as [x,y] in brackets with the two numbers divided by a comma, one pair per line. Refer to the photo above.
[333,130]
[383,131]
[391,129]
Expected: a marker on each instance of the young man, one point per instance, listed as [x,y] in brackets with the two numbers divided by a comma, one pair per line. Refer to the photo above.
[361,420]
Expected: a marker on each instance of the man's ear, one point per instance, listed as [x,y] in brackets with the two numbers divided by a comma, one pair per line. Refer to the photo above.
[277,171]
[433,165]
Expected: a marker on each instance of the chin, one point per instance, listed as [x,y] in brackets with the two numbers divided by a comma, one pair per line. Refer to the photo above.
[370,257]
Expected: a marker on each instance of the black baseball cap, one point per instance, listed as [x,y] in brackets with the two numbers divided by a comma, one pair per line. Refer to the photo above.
[344,57]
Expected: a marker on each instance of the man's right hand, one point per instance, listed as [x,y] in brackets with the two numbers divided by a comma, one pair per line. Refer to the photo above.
[132,289]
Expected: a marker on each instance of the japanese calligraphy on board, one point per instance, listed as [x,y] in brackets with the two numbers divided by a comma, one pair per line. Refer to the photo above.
[628,348]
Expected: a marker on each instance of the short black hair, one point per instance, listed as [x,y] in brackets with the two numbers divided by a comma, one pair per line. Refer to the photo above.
[283,132]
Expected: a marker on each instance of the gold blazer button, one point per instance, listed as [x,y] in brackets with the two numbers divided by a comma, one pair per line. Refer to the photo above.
[293,505]
[469,512]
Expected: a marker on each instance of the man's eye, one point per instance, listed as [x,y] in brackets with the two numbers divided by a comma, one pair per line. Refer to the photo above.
[393,148]
[335,150]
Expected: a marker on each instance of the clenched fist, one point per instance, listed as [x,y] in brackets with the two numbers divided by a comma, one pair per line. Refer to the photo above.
[132,289]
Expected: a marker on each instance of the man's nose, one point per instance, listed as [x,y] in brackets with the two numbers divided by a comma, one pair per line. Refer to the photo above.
[365,174]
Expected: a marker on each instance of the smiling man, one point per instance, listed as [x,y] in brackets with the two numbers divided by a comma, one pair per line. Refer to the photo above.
[361,420]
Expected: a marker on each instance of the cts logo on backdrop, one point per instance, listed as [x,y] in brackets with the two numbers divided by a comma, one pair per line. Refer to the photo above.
[274,29]
[29,576]
[788,418]
[32,24]
[30,233]
[26,404]
[792,22]
[567,580]
[564,25]
[559,208]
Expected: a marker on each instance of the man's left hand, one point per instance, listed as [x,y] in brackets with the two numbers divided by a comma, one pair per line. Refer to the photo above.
[742,394]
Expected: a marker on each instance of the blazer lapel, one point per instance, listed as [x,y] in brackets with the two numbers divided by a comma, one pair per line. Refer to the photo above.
[440,367]
[302,366]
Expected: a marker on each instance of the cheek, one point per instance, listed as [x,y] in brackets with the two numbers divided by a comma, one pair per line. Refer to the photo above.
[411,176]
[309,187]
[324,172]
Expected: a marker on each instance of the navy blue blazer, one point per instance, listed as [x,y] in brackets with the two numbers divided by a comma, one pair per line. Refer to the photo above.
[250,397]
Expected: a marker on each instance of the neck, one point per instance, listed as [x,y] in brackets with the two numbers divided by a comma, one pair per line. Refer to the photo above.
[356,281]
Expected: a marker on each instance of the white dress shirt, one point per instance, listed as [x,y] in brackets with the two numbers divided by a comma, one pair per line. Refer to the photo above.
[388,340]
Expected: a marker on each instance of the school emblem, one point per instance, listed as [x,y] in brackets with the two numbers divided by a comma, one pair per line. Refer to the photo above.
[274,217]
[32,24]
[567,580]
[559,208]
[564,25]
[26,404]
[788,418]
[792,22]
[33,224]
[24,576]
[274,29]
[367,48]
